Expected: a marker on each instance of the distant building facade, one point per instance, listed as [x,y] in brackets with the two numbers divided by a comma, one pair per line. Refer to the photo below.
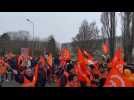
[15,45]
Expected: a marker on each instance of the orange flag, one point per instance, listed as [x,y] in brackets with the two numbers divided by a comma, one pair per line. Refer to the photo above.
[116,79]
[61,57]
[67,55]
[3,67]
[35,77]
[50,59]
[105,48]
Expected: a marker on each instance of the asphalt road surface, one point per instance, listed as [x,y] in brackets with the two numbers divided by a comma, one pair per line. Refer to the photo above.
[15,84]
[11,84]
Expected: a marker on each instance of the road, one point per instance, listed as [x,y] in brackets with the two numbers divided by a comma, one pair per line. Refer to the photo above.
[11,84]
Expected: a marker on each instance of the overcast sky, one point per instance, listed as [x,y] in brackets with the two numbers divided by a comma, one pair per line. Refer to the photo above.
[63,25]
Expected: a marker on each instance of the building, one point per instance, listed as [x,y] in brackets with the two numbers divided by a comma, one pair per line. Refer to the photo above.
[15,46]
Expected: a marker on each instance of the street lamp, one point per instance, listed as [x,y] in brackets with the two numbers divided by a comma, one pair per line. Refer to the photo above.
[33,32]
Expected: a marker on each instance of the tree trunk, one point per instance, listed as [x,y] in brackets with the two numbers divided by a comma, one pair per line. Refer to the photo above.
[112,34]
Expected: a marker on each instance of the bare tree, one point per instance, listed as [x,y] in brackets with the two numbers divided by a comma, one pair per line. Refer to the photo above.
[108,29]
[52,46]
[4,36]
[85,39]
[128,34]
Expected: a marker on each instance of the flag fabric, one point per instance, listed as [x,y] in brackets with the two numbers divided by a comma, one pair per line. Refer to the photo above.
[105,47]
[84,68]
[67,55]
[84,72]
[80,57]
[89,60]
[116,77]
[20,59]
[3,67]
[77,69]
[117,55]
[50,59]
[87,80]
[79,72]
[81,61]
[61,57]
[82,76]
[27,83]
[35,77]
[118,61]
[64,56]
[25,53]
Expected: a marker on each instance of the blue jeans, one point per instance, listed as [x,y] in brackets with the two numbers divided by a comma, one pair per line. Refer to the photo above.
[1,78]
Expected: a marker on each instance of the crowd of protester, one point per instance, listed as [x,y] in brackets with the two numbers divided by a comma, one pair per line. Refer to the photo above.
[38,72]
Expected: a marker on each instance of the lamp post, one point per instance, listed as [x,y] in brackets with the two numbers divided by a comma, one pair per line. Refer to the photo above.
[33,33]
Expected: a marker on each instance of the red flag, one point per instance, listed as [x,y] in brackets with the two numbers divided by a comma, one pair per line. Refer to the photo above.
[67,55]
[82,63]
[118,61]
[76,69]
[82,69]
[80,57]
[105,48]
[118,56]
[116,79]
[90,59]
[81,76]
